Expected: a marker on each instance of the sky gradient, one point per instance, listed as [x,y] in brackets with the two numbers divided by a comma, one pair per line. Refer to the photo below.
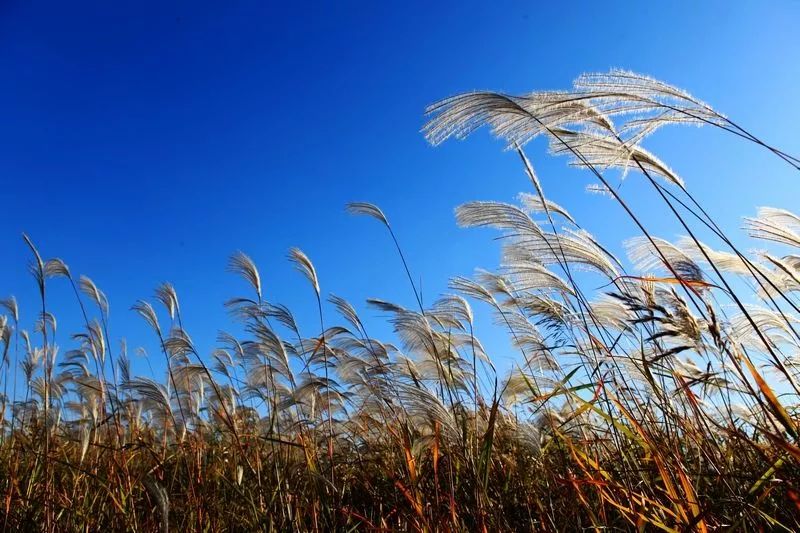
[148,143]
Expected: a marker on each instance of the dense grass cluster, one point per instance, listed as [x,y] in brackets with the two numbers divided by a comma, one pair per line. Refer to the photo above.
[667,400]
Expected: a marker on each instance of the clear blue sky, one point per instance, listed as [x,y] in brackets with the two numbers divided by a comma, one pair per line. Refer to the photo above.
[147,141]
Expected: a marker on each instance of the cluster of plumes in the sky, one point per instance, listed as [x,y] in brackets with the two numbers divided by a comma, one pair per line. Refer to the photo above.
[687,354]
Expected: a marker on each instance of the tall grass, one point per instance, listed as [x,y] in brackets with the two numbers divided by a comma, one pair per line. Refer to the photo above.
[668,400]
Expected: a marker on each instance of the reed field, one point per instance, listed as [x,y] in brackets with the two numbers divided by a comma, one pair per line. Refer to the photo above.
[653,391]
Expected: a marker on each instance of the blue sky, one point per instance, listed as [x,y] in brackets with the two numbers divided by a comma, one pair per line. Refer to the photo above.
[143,143]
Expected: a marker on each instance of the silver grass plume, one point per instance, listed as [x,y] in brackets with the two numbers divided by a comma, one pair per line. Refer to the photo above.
[245,267]
[347,311]
[146,311]
[620,92]
[305,266]
[602,151]
[515,119]
[89,288]
[534,203]
[777,225]
[367,209]
[166,294]
[724,261]
[10,305]
[644,257]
